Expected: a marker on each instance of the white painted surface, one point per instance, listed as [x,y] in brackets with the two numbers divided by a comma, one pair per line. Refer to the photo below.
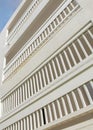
[31,108]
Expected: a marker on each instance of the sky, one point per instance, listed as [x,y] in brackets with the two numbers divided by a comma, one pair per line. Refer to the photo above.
[7,7]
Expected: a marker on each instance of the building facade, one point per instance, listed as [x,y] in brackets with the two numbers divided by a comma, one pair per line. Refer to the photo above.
[46,66]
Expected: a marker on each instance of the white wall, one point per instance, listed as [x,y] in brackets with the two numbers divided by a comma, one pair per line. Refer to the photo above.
[2,44]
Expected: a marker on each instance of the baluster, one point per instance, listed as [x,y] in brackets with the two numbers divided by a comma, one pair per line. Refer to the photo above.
[64,13]
[62,61]
[31,86]
[31,124]
[75,100]
[6,104]
[87,42]
[54,23]
[14,65]
[56,58]
[48,31]
[54,111]
[11,96]
[21,99]
[40,78]
[51,27]
[46,71]
[32,46]
[59,108]
[70,104]
[14,98]
[23,88]
[26,89]
[41,115]
[51,73]
[5,129]
[60,15]
[46,115]
[83,49]
[34,120]
[38,119]
[43,75]
[81,97]
[20,59]
[8,127]
[34,43]
[73,58]
[54,66]
[40,39]
[19,127]
[37,82]
[88,94]
[3,106]
[9,102]
[58,22]
[72,5]
[16,126]
[50,113]
[68,9]
[67,59]
[24,120]
[24,56]
[34,84]
[45,33]
[13,127]
[78,54]
[91,83]
[64,106]
[28,125]
[22,124]
[30,49]
[18,96]
[90,34]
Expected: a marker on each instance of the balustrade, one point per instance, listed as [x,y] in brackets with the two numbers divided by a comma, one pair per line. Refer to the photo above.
[74,101]
[32,45]
[22,20]
[65,60]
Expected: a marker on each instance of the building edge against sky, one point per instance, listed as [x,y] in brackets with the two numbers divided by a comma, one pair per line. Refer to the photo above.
[46,66]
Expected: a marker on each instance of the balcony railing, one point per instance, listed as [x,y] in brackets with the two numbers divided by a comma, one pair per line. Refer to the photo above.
[50,26]
[69,105]
[22,20]
[71,56]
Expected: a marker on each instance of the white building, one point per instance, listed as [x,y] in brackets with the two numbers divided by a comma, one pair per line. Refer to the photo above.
[46,66]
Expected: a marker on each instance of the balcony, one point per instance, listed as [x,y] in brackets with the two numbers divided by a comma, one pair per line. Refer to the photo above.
[25,21]
[72,105]
[68,59]
[60,15]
